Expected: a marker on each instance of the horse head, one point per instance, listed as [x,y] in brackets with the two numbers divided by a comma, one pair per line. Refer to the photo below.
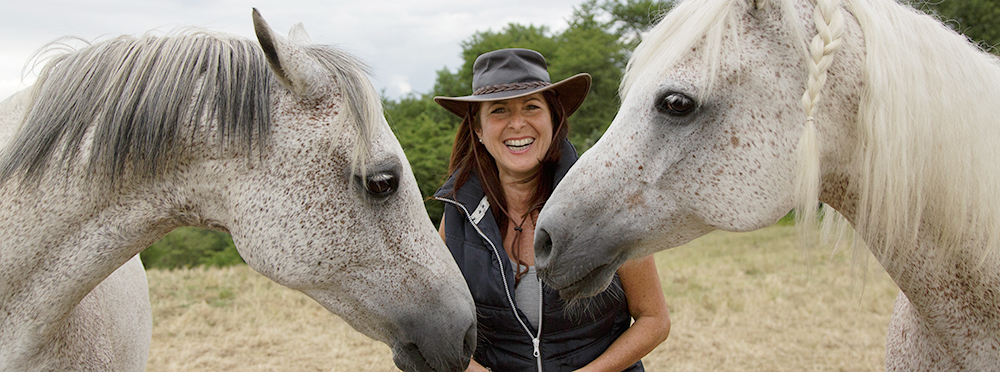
[733,113]
[706,138]
[332,209]
[283,145]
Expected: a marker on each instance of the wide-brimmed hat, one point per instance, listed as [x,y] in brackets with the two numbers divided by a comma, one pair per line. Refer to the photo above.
[512,73]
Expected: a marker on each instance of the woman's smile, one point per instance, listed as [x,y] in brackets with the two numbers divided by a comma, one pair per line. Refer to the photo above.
[519,146]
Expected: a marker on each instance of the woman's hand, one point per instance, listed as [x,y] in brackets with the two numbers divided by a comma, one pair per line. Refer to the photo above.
[476,367]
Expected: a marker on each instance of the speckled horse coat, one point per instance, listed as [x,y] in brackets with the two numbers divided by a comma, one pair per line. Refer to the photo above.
[281,144]
[736,111]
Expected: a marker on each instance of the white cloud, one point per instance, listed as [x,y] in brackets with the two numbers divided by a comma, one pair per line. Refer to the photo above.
[399,86]
[398,38]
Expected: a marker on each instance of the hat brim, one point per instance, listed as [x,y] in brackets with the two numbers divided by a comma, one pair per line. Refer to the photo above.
[570,91]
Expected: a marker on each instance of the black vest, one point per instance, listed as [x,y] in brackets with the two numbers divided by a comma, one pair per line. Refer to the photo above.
[569,339]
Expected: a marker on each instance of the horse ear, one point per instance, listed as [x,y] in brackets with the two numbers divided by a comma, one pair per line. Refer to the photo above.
[298,34]
[290,63]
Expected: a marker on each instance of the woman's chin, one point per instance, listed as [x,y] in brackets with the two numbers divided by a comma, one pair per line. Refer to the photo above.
[520,170]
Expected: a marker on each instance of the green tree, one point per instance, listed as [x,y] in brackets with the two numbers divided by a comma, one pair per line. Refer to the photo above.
[588,46]
[190,247]
[977,19]
[426,133]
[630,18]
[514,35]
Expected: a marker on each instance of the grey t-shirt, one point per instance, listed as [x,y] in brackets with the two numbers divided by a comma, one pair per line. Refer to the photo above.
[527,296]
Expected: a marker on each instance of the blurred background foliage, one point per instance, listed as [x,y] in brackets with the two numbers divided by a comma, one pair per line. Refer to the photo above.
[598,39]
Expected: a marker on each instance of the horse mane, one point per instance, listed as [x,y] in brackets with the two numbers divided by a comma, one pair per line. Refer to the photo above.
[127,98]
[928,154]
[928,145]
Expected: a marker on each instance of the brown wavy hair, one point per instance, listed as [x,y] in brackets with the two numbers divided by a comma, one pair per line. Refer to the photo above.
[469,156]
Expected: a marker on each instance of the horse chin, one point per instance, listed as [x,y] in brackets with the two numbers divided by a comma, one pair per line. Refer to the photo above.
[408,358]
[590,284]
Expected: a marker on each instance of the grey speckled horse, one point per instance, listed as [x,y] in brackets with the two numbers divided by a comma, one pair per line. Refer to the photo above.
[736,111]
[281,144]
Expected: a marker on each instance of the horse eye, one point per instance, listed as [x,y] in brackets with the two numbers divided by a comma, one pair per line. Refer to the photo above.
[677,104]
[381,185]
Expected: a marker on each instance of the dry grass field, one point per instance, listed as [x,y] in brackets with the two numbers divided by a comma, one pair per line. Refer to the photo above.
[739,302]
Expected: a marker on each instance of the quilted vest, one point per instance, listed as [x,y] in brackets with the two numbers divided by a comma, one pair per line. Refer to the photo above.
[506,340]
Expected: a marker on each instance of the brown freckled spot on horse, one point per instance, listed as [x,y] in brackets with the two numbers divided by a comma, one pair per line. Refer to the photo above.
[640,167]
[735,141]
[607,164]
[636,201]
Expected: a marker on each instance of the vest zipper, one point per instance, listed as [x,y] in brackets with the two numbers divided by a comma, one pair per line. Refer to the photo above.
[535,339]
[538,338]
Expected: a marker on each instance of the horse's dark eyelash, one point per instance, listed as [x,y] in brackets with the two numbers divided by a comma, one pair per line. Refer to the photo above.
[688,104]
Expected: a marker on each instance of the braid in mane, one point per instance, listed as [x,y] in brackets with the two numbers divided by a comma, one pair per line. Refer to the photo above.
[829,21]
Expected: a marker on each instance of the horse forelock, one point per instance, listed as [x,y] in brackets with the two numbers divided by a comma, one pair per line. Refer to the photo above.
[702,26]
[672,38]
[928,131]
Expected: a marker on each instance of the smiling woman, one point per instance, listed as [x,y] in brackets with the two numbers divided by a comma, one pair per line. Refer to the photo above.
[510,152]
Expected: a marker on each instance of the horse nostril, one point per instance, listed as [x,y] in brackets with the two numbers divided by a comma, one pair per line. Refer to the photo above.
[543,246]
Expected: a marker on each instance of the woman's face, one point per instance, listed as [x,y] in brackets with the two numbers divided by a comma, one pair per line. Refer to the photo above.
[518,133]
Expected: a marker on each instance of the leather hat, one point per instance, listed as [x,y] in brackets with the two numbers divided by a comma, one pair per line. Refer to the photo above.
[511,73]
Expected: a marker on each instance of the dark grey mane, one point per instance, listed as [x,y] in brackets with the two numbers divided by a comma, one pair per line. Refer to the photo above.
[137,93]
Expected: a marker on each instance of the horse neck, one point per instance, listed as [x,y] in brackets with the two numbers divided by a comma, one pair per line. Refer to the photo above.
[61,240]
[955,277]
[963,269]
[951,290]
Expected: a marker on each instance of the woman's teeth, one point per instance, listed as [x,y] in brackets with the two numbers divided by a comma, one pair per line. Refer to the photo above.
[519,144]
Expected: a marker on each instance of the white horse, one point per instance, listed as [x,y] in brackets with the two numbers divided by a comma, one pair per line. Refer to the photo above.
[283,145]
[722,126]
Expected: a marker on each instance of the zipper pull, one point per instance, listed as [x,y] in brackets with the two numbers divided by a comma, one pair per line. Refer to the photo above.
[534,342]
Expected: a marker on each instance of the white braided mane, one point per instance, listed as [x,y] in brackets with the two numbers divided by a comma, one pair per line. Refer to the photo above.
[829,21]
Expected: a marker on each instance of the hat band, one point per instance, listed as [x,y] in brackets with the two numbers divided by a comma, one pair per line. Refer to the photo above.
[510,86]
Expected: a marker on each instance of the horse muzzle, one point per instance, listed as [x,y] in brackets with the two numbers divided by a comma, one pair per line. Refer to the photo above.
[574,273]
[428,352]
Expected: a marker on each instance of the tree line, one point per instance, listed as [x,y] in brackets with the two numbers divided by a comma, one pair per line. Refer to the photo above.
[598,39]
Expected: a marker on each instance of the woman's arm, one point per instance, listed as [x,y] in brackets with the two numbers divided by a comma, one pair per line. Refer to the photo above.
[641,284]
[476,367]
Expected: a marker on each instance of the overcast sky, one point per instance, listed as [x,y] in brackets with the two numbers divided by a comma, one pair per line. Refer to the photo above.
[405,41]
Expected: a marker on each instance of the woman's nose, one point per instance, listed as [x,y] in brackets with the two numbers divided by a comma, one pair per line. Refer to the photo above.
[517,121]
